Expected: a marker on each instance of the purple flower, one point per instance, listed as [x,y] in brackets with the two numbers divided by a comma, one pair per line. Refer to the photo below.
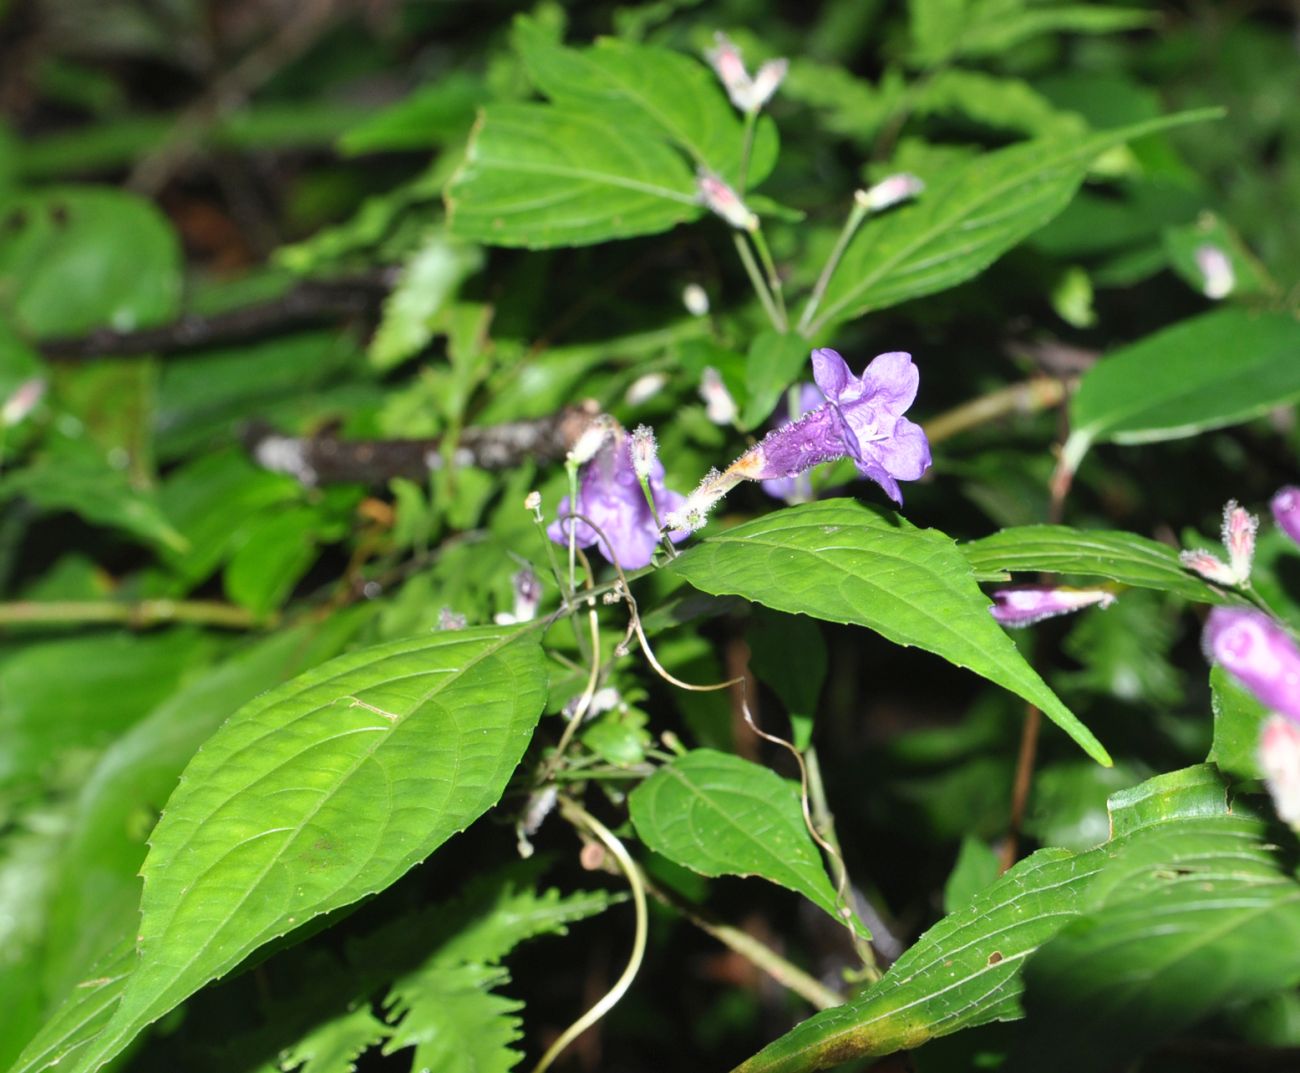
[796,489]
[1032,603]
[1259,654]
[610,495]
[1286,511]
[862,419]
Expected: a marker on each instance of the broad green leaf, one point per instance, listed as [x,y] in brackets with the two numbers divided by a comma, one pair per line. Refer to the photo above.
[669,92]
[539,175]
[721,815]
[840,561]
[454,1021]
[1217,928]
[1124,557]
[964,221]
[435,114]
[114,251]
[1217,369]
[1000,103]
[1175,830]
[318,793]
[1238,720]
[277,550]
[773,364]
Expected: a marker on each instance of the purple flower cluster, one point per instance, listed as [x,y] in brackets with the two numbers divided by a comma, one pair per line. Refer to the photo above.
[862,418]
[610,496]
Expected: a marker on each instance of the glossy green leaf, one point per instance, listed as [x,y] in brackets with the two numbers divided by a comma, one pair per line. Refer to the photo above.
[1238,720]
[318,793]
[539,175]
[1124,557]
[967,219]
[773,364]
[720,815]
[1217,369]
[1215,925]
[669,92]
[116,252]
[840,561]
[967,969]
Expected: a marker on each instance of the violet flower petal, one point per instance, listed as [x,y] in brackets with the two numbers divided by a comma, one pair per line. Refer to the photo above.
[1286,511]
[1259,654]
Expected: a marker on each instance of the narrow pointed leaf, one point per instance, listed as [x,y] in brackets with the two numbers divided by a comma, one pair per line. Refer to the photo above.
[721,815]
[837,560]
[318,793]
[967,219]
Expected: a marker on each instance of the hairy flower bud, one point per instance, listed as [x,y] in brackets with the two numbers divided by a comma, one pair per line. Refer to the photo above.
[1239,528]
[592,439]
[22,402]
[1279,758]
[1023,606]
[719,198]
[889,191]
[694,512]
[644,451]
[766,83]
[1286,511]
[1216,270]
[1258,653]
[726,62]
[1209,566]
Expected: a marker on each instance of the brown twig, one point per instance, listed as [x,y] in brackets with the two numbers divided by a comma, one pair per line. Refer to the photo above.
[310,302]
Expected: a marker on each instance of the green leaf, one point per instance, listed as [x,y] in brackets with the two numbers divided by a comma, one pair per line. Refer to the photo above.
[538,175]
[967,219]
[113,250]
[277,550]
[773,364]
[335,1046]
[1182,243]
[668,92]
[1221,368]
[837,560]
[999,103]
[1124,557]
[1174,830]
[976,867]
[454,1022]
[721,815]
[438,113]
[319,793]
[429,279]
[1238,720]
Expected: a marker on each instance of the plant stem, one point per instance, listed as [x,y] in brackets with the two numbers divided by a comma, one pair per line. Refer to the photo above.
[1028,396]
[580,817]
[756,279]
[138,615]
[856,215]
[773,278]
[784,972]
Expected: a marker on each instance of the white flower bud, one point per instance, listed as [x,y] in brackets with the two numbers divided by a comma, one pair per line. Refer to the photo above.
[766,82]
[22,402]
[644,451]
[533,501]
[645,388]
[889,191]
[719,405]
[719,198]
[592,439]
[725,59]
[696,300]
[1216,268]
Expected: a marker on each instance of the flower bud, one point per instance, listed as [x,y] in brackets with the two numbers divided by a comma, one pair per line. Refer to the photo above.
[696,300]
[1239,528]
[719,405]
[1032,603]
[645,388]
[22,402]
[889,191]
[766,83]
[726,62]
[592,439]
[1258,653]
[694,512]
[528,594]
[533,501]
[1286,511]
[1209,566]
[1216,270]
[719,198]
[1279,758]
[644,451]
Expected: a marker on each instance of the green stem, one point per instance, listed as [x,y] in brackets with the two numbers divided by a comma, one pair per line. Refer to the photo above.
[756,278]
[138,615]
[773,278]
[850,228]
